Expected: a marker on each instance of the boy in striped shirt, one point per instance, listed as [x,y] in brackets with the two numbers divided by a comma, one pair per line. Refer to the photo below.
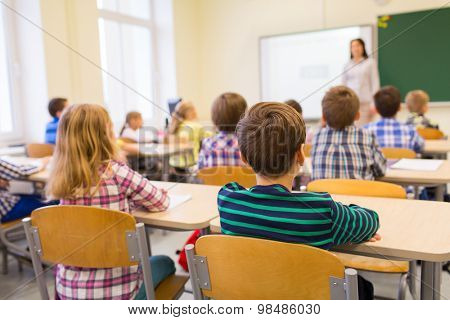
[271,139]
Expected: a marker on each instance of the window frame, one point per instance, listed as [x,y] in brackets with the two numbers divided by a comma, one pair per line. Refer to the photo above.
[151,26]
[13,73]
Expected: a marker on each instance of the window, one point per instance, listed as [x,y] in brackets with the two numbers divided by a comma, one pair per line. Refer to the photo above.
[8,124]
[128,48]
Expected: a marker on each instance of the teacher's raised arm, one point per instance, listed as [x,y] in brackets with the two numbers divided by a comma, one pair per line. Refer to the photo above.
[361,75]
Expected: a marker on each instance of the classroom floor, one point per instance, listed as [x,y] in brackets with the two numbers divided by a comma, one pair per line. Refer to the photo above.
[20,285]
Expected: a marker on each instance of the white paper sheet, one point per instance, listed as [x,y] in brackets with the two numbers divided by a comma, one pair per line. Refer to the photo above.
[22,160]
[417,164]
[177,199]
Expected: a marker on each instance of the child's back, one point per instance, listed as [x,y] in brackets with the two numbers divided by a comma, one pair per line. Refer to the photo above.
[87,173]
[391,133]
[341,150]
[222,149]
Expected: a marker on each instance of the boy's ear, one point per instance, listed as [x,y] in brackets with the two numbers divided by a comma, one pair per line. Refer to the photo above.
[324,122]
[301,155]
[357,116]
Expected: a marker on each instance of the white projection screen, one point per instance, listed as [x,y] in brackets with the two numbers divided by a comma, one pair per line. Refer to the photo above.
[303,66]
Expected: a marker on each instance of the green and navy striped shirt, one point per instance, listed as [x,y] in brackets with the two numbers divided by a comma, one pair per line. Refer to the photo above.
[273,212]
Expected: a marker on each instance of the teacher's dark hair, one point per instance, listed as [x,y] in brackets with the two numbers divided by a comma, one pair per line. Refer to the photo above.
[363,44]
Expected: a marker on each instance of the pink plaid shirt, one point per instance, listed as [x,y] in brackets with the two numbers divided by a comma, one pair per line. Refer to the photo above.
[120,189]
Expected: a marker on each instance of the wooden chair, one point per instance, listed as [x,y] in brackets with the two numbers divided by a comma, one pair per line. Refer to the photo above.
[398,153]
[307,149]
[219,176]
[39,150]
[241,268]
[430,133]
[92,238]
[369,189]
[8,232]
[357,188]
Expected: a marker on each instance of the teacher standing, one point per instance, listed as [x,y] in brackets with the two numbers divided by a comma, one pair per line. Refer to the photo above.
[361,75]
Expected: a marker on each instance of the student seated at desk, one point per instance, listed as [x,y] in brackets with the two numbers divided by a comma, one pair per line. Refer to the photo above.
[55,107]
[390,132]
[13,207]
[341,150]
[86,172]
[222,149]
[184,128]
[271,139]
[132,129]
[417,103]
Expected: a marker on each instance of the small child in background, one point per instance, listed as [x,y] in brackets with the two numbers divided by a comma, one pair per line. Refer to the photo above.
[294,104]
[132,129]
[223,148]
[390,132]
[184,128]
[87,172]
[55,108]
[341,150]
[271,139]
[417,104]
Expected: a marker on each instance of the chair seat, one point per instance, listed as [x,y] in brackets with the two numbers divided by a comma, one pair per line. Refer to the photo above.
[10,224]
[171,288]
[373,264]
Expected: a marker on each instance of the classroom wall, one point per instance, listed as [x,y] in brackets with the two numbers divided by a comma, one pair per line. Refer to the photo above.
[217,40]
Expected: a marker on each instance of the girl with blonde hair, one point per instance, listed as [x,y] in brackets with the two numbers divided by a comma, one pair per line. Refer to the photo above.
[184,128]
[87,172]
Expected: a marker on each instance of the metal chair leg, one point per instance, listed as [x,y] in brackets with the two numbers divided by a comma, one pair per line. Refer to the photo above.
[4,260]
[412,276]
[402,286]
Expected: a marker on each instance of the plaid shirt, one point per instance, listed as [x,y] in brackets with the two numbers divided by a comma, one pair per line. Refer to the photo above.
[220,150]
[10,171]
[391,133]
[419,120]
[351,153]
[120,189]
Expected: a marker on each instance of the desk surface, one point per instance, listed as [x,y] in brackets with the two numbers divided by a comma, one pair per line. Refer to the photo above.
[195,213]
[410,229]
[159,149]
[437,146]
[440,176]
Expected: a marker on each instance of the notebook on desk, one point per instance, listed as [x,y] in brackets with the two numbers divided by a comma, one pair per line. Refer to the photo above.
[178,199]
[417,164]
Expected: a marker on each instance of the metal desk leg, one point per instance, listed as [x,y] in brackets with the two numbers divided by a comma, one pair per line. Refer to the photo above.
[147,235]
[440,190]
[166,168]
[430,287]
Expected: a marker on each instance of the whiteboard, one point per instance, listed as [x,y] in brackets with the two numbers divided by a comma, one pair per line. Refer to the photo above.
[303,66]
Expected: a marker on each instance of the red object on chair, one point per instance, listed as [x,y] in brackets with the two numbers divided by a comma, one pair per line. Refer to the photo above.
[182,260]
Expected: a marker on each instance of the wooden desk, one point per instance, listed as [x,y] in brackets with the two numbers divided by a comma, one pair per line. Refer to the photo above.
[437,147]
[194,214]
[410,230]
[438,178]
[162,151]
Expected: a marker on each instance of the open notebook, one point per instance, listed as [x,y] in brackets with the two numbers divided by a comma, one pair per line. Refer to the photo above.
[178,199]
[417,164]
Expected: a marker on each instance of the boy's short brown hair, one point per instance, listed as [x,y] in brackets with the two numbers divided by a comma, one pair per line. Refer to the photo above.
[269,136]
[387,101]
[294,104]
[227,109]
[339,107]
[56,105]
[416,100]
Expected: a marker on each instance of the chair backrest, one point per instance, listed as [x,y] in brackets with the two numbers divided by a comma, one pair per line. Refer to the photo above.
[240,268]
[307,149]
[39,150]
[87,237]
[398,153]
[430,133]
[357,188]
[219,176]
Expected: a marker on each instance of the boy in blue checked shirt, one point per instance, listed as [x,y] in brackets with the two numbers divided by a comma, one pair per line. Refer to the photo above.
[390,132]
[341,150]
[271,138]
[55,108]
